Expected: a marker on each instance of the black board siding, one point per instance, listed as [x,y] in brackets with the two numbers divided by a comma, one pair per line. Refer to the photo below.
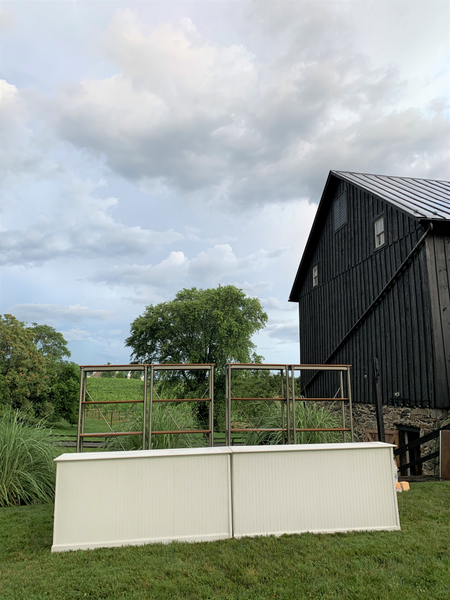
[438,258]
[398,331]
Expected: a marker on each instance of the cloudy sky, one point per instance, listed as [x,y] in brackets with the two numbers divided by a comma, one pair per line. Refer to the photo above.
[150,146]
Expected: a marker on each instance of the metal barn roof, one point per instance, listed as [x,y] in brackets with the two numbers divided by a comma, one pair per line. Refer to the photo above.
[422,198]
[426,199]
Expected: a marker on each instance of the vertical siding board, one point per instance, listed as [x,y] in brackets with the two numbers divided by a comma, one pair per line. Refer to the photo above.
[424,333]
[438,265]
[385,349]
[416,341]
[446,309]
[418,347]
[429,357]
[428,328]
[367,379]
[394,225]
[392,331]
[406,336]
[401,233]
[435,317]
[370,281]
[443,267]
[408,380]
[398,309]
[385,315]
[358,222]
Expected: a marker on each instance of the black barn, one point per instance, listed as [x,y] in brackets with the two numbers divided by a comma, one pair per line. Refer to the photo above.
[374,281]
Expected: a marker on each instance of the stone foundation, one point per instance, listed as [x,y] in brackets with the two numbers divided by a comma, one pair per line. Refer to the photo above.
[425,419]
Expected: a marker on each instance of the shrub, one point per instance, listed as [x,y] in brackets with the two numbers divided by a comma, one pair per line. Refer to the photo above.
[27,470]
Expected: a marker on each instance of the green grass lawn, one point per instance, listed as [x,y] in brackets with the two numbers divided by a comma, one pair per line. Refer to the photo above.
[413,563]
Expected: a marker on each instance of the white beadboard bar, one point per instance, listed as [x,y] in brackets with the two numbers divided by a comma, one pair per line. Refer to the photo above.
[320,488]
[106,499]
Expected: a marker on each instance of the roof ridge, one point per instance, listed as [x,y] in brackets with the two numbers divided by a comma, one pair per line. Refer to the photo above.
[389,176]
[420,198]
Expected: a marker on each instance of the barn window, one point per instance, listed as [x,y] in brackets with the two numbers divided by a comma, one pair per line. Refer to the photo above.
[379,232]
[315,275]
[340,211]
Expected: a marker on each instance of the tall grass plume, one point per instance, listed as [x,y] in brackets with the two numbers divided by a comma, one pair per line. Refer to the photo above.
[27,470]
[267,415]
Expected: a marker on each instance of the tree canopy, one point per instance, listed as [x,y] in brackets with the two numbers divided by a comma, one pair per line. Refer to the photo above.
[49,342]
[23,371]
[33,375]
[198,326]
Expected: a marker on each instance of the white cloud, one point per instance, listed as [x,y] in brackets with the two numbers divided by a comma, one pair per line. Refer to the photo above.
[214,122]
[144,295]
[209,267]
[253,289]
[13,114]
[275,304]
[220,261]
[21,153]
[55,313]
[77,223]
[72,335]
[7,20]
[284,331]
[173,267]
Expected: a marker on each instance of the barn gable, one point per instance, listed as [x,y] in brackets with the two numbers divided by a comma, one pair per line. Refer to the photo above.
[374,282]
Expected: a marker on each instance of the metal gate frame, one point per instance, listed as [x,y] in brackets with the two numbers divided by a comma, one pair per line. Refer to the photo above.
[183,367]
[85,369]
[289,398]
[145,368]
[341,369]
[284,399]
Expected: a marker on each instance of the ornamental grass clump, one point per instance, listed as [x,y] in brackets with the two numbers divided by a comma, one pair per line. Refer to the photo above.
[27,470]
[164,418]
[308,415]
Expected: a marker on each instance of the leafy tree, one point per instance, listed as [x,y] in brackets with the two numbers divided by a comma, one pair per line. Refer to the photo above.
[199,326]
[63,394]
[256,384]
[33,375]
[23,368]
[63,377]
[49,342]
